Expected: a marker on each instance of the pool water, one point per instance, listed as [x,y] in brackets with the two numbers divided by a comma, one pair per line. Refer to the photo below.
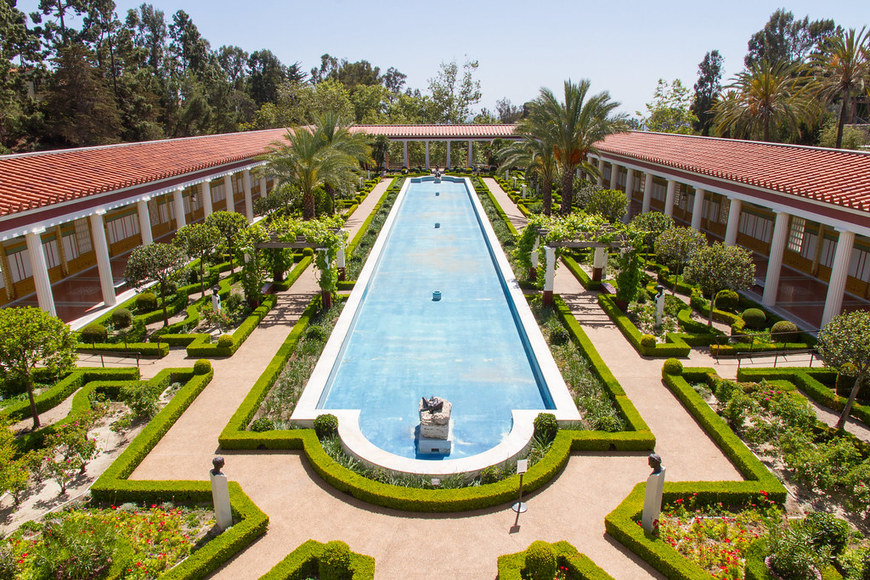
[468,348]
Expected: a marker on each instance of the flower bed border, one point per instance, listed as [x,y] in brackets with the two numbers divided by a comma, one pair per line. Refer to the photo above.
[510,566]
[302,563]
[621,523]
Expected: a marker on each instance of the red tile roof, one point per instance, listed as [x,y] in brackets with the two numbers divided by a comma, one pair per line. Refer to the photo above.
[834,176]
[422,132]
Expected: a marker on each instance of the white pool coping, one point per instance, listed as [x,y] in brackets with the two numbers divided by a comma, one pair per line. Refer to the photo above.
[355,443]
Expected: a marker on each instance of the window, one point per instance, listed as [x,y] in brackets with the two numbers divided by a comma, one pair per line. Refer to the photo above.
[19,264]
[711,209]
[826,258]
[83,237]
[755,226]
[52,258]
[659,190]
[217,192]
[70,248]
[796,234]
[122,228]
[859,264]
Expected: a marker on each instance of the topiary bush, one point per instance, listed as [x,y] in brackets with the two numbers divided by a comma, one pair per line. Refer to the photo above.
[334,561]
[93,332]
[540,562]
[225,341]
[546,427]
[325,426]
[262,424]
[784,331]
[122,318]
[146,302]
[201,367]
[559,336]
[648,341]
[755,318]
[727,300]
[827,531]
[672,367]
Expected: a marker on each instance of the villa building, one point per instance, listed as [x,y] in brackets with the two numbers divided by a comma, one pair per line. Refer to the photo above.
[69,218]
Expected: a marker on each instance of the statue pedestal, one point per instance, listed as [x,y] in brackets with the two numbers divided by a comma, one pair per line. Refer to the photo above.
[436,427]
[652,500]
[432,446]
[220,495]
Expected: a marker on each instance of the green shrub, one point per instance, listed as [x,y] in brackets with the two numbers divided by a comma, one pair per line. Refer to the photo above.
[784,331]
[93,332]
[727,300]
[827,531]
[225,341]
[234,301]
[201,367]
[146,302]
[122,318]
[491,474]
[559,336]
[540,561]
[262,424]
[546,427]
[315,332]
[141,400]
[648,341]
[325,426]
[672,367]
[755,318]
[334,561]
[791,554]
[307,252]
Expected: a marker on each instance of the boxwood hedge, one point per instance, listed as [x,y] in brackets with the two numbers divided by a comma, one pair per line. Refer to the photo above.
[510,566]
[302,563]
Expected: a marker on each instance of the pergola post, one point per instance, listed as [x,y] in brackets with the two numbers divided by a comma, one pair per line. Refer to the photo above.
[599,263]
[427,155]
[339,258]
[550,274]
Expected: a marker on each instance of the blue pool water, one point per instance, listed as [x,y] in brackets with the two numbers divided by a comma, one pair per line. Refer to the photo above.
[467,348]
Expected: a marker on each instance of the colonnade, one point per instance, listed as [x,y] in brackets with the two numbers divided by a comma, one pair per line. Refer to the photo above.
[100,245]
[406,158]
[842,254]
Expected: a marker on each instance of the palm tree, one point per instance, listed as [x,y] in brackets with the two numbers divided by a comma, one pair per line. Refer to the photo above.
[763,99]
[842,69]
[573,127]
[536,157]
[339,137]
[311,157]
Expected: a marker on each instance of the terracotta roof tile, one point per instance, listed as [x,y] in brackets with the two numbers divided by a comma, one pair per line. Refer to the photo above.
[835,176]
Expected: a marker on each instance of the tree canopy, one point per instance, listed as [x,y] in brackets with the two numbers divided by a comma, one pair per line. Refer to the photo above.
[158,263]
[844,344]
[719,267]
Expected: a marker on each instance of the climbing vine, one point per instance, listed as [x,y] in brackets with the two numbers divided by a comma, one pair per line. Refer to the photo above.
[323,233]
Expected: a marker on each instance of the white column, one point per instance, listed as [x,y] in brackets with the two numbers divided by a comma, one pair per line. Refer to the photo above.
[263,192]
[629,183]
[249,202]
[698,209]
[774,260]
[40,271]
[470,156]
[177,197]
[104,265]
[231,197]
[549,274]
[839,273]
[446,165]
[733,222]
[144,221]
[207,208]
[405,147]
[614,171]
[669,197]
[647,192]
[427,155]
[600,180]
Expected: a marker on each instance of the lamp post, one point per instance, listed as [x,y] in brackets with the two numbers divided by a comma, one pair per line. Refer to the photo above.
[520,507]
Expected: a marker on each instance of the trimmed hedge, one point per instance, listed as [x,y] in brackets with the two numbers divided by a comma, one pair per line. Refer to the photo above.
[676,345]
[580,273]
[234,436]
[302,563]
[114,487]
[392,188]
[621,523]
[510,566]
[65,387]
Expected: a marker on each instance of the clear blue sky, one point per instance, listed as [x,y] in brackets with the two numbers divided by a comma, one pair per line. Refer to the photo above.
[621,46]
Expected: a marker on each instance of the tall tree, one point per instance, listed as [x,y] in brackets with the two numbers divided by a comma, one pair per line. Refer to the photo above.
[56,31]
[573,127]
[80,106]
[786,40]
[230,224]
[844,344]
[337,136]
[707,90]
[18,51]
[393,80]
[234,62]
[31,338]
[843,70]
[160,263]
[453,93]
[150,34]
[536,157]
[764,101]
[198,242]
[508,112]
[265,75]
[674,247]
[187,46]
[670,110]
[719,267]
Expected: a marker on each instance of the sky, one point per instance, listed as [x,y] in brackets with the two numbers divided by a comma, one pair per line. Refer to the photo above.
[622,47]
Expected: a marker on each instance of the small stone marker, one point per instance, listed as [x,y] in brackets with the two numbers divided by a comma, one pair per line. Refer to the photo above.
[652,499]
[220,494]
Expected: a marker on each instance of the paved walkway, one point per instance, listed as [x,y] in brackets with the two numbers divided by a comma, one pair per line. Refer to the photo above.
[301,506]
